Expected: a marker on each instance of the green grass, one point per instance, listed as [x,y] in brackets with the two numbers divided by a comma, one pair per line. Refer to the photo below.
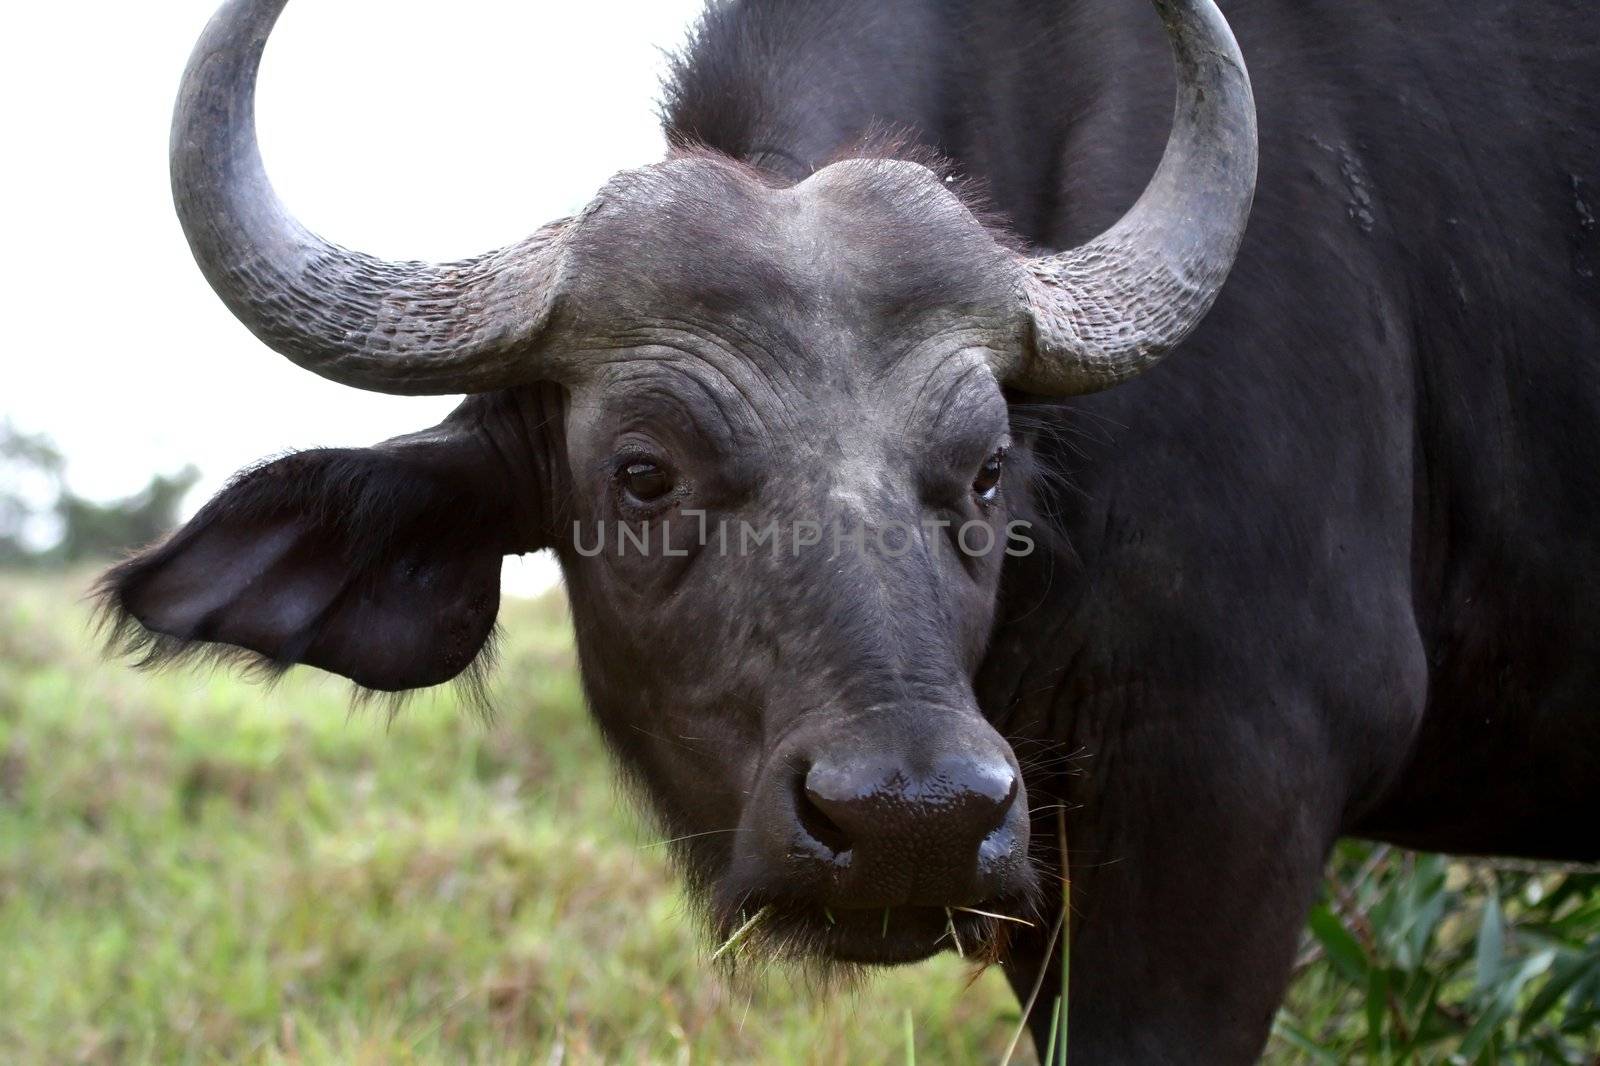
[194,869]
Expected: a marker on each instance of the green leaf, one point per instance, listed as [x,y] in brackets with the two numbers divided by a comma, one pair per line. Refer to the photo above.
[1428,998]
[1342,949]
[1491,945]
[1377,1004]
[1482,1032]
[1284,1029]
[1567,973]
[1511,987]
[1498,1010]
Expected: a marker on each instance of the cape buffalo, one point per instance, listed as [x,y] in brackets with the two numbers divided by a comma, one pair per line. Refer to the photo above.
[1334,569]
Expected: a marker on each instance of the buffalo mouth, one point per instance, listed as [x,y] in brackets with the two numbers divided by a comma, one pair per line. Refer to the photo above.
[876,936]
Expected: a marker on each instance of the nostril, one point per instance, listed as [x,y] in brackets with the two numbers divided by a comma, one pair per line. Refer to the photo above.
[815,821]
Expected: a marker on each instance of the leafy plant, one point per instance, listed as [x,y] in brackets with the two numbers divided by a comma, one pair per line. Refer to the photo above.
[1418,959]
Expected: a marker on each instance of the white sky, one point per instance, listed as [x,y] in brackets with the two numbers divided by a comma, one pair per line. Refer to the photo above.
[404,128]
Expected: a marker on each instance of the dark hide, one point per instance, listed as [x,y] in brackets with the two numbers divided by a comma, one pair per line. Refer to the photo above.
[1334,567]
[1331,569]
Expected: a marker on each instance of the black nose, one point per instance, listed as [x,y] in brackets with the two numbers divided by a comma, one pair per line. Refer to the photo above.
[938,835]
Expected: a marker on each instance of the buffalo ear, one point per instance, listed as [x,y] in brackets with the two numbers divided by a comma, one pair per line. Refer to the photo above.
[380,564]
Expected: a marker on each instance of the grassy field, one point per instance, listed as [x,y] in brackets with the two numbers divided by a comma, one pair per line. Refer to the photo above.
[192,869]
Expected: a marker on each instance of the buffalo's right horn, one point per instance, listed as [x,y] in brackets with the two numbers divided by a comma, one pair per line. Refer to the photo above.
[397,327]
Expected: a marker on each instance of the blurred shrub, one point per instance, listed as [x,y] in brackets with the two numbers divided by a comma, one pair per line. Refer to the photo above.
[43,523]
[1417,958]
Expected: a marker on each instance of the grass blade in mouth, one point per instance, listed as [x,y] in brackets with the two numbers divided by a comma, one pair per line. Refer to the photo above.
[1049,1056]
[741,933]
[1060,931]
[997,917]
[950,927]
[1066,929]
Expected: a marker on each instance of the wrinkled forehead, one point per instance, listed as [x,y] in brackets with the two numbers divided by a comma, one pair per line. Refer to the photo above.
[865,256]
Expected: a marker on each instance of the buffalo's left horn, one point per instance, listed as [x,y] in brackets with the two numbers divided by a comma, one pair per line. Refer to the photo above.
[1111,308]
[410,328]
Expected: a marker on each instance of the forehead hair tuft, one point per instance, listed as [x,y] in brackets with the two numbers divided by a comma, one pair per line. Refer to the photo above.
[886,143]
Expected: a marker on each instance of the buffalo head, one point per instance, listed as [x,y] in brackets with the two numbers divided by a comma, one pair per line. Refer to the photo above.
[761,425]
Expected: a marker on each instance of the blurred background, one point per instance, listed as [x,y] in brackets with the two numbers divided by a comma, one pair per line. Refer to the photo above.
[402,128]
[193,868]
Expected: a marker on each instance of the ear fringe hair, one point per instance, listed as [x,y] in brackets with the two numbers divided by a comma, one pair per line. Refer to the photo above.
[121,636]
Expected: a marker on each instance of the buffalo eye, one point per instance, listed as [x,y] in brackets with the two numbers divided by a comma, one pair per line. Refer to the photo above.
[986,486]
[643,480]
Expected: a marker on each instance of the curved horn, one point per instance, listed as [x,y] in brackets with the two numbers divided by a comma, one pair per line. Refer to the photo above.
[408,328]
[1111,308]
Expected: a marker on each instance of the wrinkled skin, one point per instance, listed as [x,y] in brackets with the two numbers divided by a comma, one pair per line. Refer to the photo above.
[1331,570]
[834,370]
[851,391]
